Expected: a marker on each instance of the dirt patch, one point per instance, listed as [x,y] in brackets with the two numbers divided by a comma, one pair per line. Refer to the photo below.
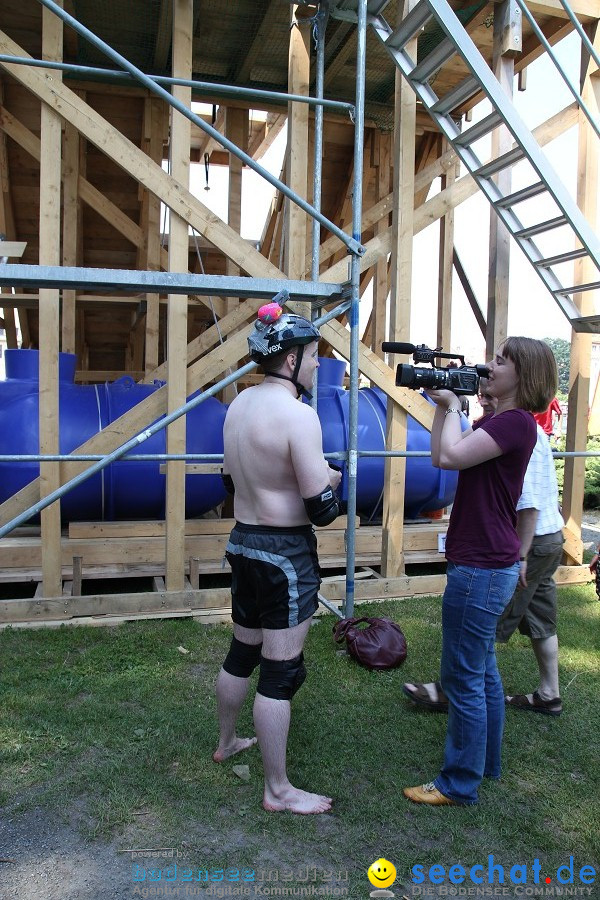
[49,857]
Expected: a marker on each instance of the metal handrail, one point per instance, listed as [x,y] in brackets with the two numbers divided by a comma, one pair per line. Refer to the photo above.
[585,39]
[547,47]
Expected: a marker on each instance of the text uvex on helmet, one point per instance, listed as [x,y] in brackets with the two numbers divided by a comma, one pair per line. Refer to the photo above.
[289,330]
[268,338]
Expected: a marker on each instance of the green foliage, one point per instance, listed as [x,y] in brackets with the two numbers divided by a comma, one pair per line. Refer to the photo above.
[591,496]
[562,354]
[120,724]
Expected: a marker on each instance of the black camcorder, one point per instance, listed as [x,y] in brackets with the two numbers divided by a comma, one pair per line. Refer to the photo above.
[463,380]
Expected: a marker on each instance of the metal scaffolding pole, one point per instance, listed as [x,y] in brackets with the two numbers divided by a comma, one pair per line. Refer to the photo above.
[208,87]
[353,246]
[348,606]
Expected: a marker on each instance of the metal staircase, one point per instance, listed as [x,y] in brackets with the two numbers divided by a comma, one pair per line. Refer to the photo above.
[577,236]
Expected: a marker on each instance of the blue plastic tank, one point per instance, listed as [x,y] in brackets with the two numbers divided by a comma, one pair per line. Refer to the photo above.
[123,490]
[426,487]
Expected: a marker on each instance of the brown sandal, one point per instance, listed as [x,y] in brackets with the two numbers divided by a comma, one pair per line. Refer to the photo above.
[536,704]
[433,698]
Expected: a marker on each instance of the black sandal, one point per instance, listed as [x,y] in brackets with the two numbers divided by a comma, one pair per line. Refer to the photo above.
[422,697]
[536,704]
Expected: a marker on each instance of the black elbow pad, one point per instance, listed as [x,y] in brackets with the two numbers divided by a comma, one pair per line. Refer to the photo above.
[323,508]
[228,482]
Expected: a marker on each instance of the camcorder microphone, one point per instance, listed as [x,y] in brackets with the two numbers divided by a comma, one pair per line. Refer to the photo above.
[462,380]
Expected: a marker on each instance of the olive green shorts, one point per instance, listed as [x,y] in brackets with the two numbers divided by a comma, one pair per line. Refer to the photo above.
[532,610]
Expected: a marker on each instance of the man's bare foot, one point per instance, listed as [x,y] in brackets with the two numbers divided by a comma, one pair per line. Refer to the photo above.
[296,801]
[223,753]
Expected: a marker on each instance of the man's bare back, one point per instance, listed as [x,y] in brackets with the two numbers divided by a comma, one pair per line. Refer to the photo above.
[273,452]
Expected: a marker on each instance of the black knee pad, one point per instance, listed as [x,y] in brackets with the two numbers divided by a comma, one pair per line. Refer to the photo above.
[279,679]
[242,659]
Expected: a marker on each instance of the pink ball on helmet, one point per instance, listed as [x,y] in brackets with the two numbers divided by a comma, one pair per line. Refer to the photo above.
[269,313]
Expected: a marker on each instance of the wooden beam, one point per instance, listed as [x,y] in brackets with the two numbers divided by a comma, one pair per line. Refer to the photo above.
[381,286]
[177,308]
[259,145]
[392,551]
[446,247]
[7,228]
[207,143]
[71,229]
[12,249]
[134,161]
[236,129]
[149,253]
[585,10]
[296,235]
[49,255]
[162,45]
[503,67]
[470,293]
[588,160]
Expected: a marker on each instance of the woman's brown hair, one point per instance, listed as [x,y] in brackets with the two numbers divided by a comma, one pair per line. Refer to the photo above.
[536,370]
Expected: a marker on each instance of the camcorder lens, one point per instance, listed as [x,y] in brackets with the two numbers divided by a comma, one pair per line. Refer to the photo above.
[416,377]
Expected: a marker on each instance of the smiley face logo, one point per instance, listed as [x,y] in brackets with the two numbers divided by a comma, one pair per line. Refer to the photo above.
[381,873]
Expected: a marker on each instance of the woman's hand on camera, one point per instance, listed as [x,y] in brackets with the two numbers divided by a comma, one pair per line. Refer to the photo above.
[444,398]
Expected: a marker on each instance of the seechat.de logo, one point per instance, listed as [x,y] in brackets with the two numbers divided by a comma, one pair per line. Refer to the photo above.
[494,873]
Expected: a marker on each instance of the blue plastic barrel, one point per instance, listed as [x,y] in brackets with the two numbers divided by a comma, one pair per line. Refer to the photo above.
[426,487]
[125,489]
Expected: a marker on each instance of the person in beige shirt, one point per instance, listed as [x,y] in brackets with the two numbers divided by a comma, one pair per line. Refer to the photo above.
[282,486]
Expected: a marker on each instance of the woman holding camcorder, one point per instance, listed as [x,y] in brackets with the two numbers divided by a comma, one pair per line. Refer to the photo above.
[482,549]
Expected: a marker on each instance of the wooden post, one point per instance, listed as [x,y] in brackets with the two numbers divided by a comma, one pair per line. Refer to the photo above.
[71,220]
[392,555]
[297,178]
[581,344]
[7,228]
[444,305]
[236,129]
[177,309]
[50,184]
[381,281]
[149,253]
[507,42]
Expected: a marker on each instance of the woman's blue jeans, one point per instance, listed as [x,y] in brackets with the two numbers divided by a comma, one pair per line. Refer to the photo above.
[473,601]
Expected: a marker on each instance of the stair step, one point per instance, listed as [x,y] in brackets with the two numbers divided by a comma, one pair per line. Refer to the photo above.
[348,9]
[524,194]
[472,134]
[579,288]
[560,258]
[457,96]
[501,162]
[586,324]
[434,61]
[410,26]
[541,227]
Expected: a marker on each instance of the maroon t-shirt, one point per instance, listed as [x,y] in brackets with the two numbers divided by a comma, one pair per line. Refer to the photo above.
[482,529]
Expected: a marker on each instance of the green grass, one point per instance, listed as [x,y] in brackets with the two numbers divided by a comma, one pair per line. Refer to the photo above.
[120,724]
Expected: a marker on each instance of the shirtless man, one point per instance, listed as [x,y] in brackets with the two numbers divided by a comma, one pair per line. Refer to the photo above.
[275,467]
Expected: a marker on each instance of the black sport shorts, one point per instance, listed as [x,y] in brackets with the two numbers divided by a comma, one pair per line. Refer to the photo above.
[275,575]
